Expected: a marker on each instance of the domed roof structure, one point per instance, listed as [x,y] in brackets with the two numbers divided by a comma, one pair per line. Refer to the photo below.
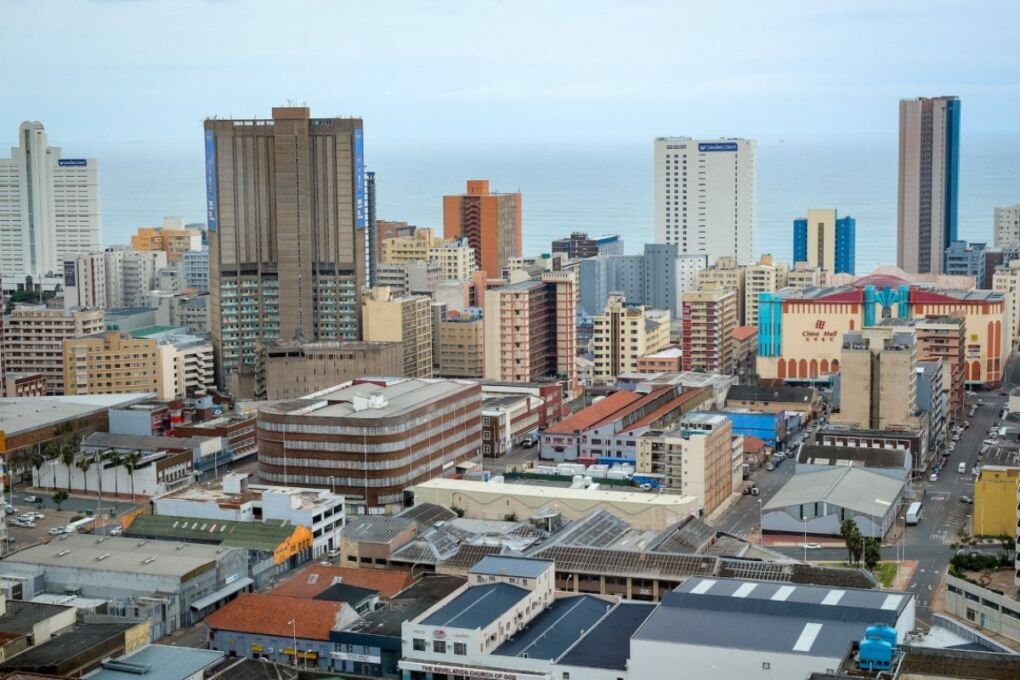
[886,276]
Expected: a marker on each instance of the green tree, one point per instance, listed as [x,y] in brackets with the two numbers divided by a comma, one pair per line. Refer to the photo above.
[67,458]
[132,461]
[872,552]
[852,537]
[59,498]
[37,463]
[84,464]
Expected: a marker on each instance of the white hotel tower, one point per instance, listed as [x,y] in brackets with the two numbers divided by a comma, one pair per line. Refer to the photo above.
[49,207]
[705,196]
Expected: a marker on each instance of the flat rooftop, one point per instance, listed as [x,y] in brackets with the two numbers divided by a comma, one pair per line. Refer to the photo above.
[212,492]
[406,605]
[21,616]
[143,442]
[60,648]
[520,567]
[25,414]
[119,554]
[553,631]
[676,503]
[770,617]
[607,645]
[477,607]
[161,662]
[401,397]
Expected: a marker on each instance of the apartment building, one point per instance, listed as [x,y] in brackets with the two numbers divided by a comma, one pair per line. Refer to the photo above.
[803,276]
[944,339]
[579,245]
[695,459]
[462,344]
[371,440]
[490,221]
[878,373]
[1007,226]
[766,276]
[966,259]
[623,334]
[725,274]
[405,319]
[172,237]
[709,320]
[33,340]
[822,240]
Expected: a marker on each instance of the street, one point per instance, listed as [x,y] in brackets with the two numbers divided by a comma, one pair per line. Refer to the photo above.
[944,517]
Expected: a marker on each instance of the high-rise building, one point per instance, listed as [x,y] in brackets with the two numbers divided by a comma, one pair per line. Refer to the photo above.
[705,196]
[656,278]
[622,335]
[944,339]
[1007,226]
[579,245]
[929,174]
[766,276]
[530,330]
[878,376]
[708,322]
[825,241]
[490,221]
[85,281]
[724,274]
[195,265]
[286,220]
[34,335]
[49,206]
[405,319]
[462,344]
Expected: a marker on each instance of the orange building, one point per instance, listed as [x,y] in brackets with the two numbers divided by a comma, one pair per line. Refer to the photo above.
[491,222]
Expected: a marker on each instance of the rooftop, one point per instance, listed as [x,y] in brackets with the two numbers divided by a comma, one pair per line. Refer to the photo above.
[143,442]
[213,492]
[158,662]
[851,488]
[270,615]
[341,592]
[265,536]
[407,605]
[65,646]
[121,554]
[521,567]
[21,617]
[477,606]
[314,579]
[588,417]
[769,617]
[607,645]
[852,456]
[741,333]
[398,398]
[376,528]
[554,630]
[671,502]
[24,414]
[799,395]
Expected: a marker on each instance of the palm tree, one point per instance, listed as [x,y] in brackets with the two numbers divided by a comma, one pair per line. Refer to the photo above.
[37,463]
[84,463]
[67,458]
[50,453]
[132,461]
[116,460]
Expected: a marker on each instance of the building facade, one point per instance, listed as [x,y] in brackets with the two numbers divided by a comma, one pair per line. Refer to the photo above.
[878,374]
[929,171]
[490,221]
[705,195]
[290,369]
[825,241]
[112,363]
[286,219]
[172,237]
[49,207]
[1007,226]
[462,344]
[406,320]
[579,245]
[33,340]
[966,259]
[765,276]
[709,319]
[623,334]
[371,440]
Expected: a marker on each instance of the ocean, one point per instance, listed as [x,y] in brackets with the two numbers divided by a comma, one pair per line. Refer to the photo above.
[602,187]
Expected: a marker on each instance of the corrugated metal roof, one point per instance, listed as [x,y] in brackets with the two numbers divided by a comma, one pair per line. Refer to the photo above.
[265,536]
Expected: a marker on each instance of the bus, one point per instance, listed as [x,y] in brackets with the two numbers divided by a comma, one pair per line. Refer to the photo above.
[81,526]
[914,514]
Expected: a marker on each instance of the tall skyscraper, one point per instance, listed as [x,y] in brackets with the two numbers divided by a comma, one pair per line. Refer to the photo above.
[49,207]
[491,222]
[705,196]
[1007,226]
[286,218]
[928,182]
[825,241]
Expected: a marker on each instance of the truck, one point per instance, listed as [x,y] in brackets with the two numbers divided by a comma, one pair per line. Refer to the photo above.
[913,514]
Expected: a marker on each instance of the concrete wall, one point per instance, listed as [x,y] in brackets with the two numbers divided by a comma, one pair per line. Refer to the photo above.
[983,608]
[246,645]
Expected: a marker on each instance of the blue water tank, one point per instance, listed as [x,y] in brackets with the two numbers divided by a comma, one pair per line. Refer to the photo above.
[882,632]
[875,655]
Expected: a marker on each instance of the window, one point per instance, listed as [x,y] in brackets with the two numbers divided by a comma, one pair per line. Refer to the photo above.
[460,648]
[418,644]
[765,665]
[439,646]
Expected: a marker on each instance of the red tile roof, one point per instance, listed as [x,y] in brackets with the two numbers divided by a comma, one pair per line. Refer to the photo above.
[271,615]
[753,444]
[315,578]
[597,412]
[744,332]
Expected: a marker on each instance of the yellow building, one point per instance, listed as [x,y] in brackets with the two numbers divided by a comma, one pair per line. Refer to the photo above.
[171,238]
[462,344]
[112,363]
[995,501]
[622,335]
[803,276]
[407,320]
[800,332]
[403,249]
[725,275]
[766,276]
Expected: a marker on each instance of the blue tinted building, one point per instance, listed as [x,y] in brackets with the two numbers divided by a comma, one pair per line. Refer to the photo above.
[826,241]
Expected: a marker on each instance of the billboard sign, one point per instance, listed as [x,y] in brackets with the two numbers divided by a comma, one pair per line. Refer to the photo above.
[717,146]
[360,209]
[210,180]
[72,162]
[70,280]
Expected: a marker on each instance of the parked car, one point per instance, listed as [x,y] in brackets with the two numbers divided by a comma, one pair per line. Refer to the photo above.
[529,442]
[56,531]
[9,509]
[116,531]
[333,554]
[813,546]
[933,477]
[36,515]
[31,499]
[976,470]
[770,467]
[967,500]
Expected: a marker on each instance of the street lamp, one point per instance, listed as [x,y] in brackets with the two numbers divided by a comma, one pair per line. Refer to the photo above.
[761,523]
[293,633]
[803,519]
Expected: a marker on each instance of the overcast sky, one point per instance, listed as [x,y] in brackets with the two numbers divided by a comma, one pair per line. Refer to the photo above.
[141,71]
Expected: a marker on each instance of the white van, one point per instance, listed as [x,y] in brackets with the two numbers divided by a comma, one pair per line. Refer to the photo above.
[962,468]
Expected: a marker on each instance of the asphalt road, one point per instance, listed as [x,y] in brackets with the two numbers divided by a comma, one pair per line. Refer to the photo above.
[943,518]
